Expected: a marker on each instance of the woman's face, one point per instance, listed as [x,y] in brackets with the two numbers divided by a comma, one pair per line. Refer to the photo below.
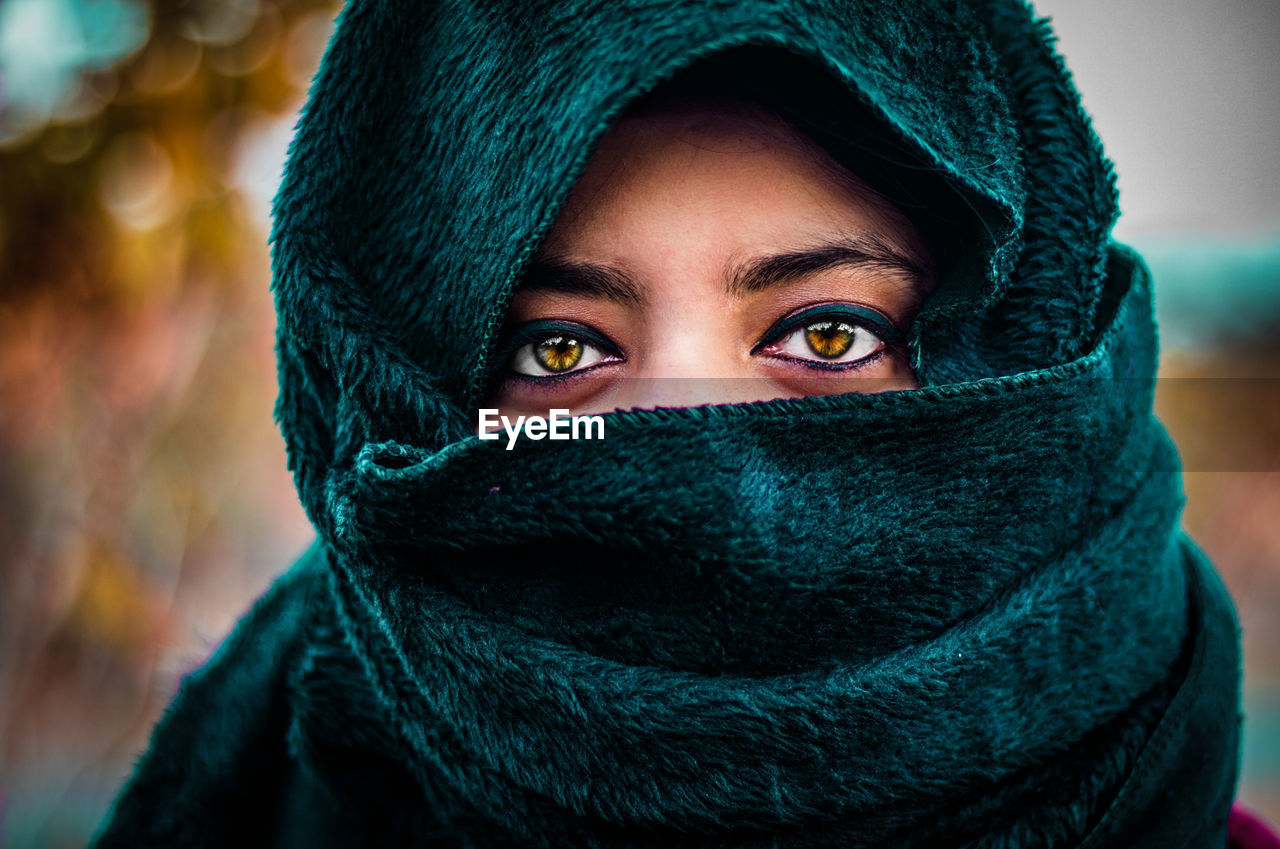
[712,256]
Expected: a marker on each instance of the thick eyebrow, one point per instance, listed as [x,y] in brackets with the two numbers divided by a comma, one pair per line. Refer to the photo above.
[581,278]
[745,277]
[755,275]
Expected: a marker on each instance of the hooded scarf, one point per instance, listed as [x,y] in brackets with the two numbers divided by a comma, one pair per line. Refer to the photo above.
[959,615]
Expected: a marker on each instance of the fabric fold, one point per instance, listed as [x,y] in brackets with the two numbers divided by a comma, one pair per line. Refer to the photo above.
[715,650]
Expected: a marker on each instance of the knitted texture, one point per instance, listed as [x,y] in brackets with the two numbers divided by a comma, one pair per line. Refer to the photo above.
[960,615]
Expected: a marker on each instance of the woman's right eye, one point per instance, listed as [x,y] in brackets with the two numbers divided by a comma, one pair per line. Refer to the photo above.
[553,352]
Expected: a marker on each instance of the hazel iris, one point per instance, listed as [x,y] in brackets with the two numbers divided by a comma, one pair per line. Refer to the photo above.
[829,339]
[558,353]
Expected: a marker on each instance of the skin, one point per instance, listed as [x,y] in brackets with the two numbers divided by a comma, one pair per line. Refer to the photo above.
[672,208]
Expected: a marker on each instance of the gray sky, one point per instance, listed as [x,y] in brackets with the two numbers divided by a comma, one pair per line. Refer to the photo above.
[1186,97]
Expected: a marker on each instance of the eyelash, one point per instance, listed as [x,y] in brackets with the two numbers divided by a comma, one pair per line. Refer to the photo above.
[857,316]
[529,335]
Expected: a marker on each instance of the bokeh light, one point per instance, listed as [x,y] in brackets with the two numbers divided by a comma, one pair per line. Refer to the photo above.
[144,500]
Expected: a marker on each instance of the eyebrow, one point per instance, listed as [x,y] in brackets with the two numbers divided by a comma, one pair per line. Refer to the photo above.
[581,278]
[856,251]
[745,277]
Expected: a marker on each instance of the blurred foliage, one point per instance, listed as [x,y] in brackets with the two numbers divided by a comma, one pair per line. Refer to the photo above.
[1221,405]
[94,207]
[143,495]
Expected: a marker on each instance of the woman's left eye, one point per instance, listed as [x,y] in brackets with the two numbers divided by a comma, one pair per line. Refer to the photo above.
[827,341]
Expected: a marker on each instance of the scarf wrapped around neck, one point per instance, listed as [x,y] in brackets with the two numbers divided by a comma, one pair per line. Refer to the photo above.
[961,615]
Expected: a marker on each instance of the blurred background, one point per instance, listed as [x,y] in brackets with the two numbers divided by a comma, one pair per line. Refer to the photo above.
[144,500]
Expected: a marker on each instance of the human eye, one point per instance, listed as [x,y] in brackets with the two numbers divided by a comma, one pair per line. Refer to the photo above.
[829,336]
[549,349]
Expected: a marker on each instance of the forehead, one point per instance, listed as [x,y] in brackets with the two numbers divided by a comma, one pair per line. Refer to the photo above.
[719,167]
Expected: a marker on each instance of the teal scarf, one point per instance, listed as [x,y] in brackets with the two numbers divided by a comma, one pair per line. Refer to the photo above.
[961,615]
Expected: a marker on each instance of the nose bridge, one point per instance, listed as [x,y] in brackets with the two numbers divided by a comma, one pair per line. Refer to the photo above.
[684,352]
[691,355]
[693,362]
[688,334]
[677,391]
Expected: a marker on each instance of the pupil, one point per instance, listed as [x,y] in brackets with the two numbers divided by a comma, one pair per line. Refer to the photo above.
[559,353]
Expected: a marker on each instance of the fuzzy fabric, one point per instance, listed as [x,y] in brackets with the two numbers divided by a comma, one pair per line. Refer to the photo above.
[961,615]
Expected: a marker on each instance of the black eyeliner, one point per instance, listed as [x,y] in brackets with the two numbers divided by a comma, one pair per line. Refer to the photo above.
[541,329]
[865,317]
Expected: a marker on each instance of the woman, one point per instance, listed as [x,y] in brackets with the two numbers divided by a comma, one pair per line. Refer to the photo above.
[898,565]
[769,270]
